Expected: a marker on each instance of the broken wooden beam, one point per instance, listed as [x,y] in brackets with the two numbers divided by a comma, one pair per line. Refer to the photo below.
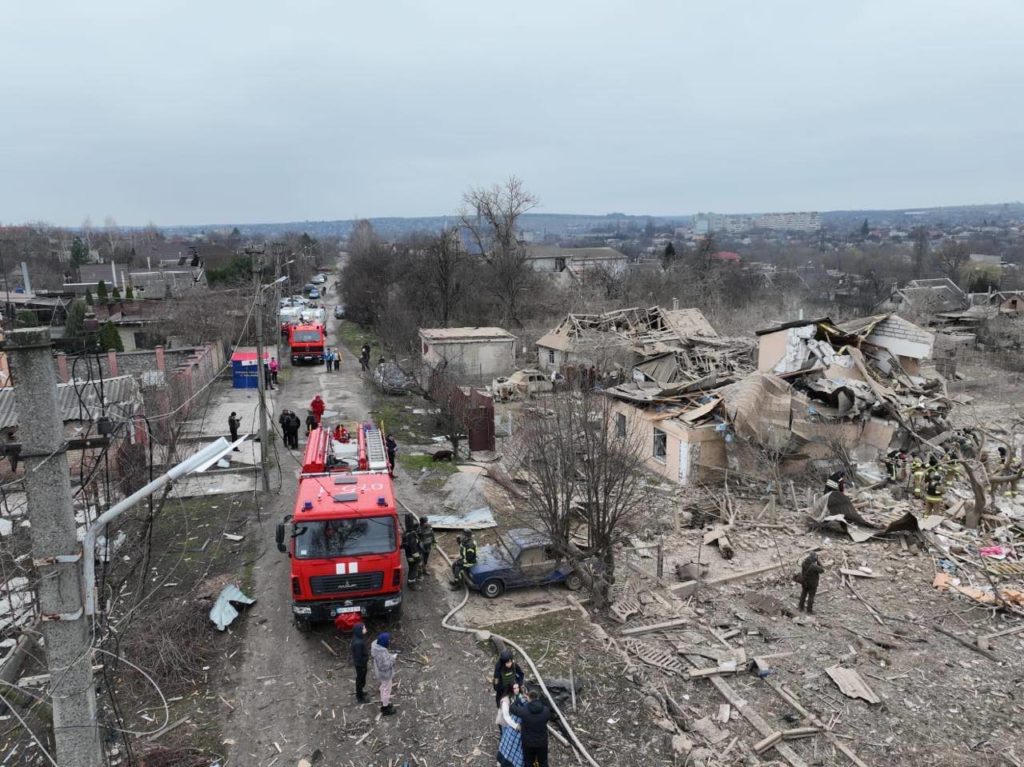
[975,647]
[769,741]
[637,630]
[799,732]
[984,639]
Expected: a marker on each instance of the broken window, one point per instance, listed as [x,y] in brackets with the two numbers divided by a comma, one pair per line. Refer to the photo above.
[620,425]
[660,444]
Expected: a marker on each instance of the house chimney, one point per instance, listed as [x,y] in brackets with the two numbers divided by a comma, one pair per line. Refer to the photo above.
[149,264]
[675,304]
[25,279]
[159,358]
[112,363]
[62,367]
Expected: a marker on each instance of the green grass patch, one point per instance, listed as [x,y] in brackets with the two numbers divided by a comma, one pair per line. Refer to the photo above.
[354,336]
[416,463]
[396,416]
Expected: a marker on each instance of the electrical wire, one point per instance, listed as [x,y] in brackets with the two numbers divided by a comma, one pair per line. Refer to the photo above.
[163,699]
[29,731]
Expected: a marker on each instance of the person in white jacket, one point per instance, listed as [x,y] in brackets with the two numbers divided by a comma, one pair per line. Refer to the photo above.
[384,670]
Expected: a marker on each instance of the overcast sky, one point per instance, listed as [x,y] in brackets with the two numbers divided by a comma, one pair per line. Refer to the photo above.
[218,111]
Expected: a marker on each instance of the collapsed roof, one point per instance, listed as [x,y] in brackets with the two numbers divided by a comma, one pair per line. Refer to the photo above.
[669,347]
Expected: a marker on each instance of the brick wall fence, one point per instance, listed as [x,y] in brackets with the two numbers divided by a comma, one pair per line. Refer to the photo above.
[169,378]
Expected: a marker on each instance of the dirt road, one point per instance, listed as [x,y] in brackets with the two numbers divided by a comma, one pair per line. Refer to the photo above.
[293,693]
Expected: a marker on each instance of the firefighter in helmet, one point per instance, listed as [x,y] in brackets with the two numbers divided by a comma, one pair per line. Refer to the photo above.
[467,557]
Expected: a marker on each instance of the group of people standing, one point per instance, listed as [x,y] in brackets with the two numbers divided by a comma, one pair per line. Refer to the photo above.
[522,716]
[383,666]
[418,542]
[332,359]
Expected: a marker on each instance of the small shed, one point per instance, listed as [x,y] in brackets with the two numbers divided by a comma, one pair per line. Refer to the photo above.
[244,370]
[473,352]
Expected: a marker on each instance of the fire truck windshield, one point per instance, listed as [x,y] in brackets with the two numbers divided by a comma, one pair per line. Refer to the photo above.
[344,537]
[306,336]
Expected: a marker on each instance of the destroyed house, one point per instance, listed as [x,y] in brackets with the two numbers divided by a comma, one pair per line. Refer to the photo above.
[663,346]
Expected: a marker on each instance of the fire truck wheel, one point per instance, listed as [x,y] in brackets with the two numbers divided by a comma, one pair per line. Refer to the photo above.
[492,588]
[573,582]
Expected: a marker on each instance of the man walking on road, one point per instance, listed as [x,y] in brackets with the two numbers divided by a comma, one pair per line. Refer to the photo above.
[360,659]
[384,669]
[233,424]
[534,727]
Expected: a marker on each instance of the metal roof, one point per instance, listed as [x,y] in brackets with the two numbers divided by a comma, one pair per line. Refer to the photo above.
[466,334]
[80,401]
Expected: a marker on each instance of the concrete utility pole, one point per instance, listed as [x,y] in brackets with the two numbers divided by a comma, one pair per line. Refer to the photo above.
[257,264]
[56,553]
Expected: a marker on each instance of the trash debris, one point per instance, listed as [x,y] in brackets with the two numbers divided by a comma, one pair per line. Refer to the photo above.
[223,612]
[851,685]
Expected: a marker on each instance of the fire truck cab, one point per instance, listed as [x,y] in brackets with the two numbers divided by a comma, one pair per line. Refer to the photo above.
[344,536]
[306,342]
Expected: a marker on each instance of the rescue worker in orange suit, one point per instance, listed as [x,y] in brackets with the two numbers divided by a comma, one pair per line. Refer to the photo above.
[318,407]
[810,572]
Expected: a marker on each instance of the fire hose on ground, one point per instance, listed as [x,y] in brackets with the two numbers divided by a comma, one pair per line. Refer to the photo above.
[445,621]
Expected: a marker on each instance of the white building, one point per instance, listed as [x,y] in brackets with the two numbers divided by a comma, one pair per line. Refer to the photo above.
[484,353]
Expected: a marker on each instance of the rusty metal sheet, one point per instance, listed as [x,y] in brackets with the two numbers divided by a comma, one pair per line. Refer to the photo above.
[851,685]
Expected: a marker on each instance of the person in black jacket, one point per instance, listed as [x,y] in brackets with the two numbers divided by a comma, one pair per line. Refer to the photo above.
[506,671]
[360,659]
[810,571]
[534,727]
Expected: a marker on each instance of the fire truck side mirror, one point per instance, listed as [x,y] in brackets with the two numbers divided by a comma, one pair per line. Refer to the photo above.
[280,537]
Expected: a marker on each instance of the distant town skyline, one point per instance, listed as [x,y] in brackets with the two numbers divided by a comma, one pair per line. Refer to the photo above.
[188,113]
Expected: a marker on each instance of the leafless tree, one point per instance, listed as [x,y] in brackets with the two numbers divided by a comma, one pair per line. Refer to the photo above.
[446,273]
[585,467]
[453,408]
[952,257]
[492,219]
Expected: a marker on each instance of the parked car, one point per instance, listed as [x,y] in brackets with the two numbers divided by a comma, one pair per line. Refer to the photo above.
[521,558]
[339,312]
[522,383]
[314,292]
[319,279]
[308,288]
[391,379]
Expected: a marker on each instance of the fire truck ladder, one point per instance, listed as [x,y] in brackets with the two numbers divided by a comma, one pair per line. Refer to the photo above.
[373,445]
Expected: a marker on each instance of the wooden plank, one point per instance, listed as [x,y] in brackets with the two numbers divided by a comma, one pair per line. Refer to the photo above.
[755,719]
[814,720]
[851,684]
[983,641]
[637,630]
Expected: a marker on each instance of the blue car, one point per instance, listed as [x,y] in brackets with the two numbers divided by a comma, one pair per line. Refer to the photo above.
[314,293]
[521,558]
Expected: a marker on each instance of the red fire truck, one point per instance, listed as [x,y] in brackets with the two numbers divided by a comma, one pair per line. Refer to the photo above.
[307,343]
[344,537]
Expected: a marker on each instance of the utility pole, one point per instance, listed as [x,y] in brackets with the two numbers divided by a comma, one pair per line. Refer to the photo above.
[257,264]
[56,552]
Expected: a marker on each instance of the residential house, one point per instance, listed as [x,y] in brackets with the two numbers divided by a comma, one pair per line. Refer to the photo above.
[673,443]
[483,353]
[929,296]
[577,263]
